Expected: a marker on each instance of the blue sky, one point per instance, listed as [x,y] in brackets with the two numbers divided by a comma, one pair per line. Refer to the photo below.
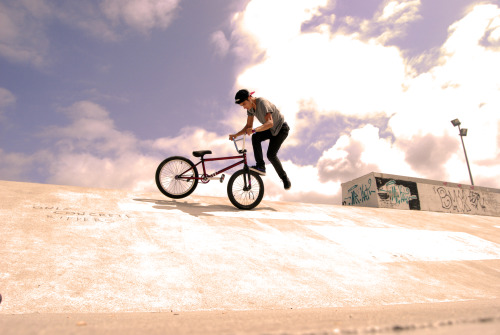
[97,93]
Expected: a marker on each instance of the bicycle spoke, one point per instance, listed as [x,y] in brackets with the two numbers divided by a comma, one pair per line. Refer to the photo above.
[243,196]
[170,183]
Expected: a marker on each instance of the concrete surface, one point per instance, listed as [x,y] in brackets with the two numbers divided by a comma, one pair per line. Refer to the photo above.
[118,259]
[460,318]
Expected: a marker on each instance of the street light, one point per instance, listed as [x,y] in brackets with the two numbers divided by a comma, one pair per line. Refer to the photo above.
[462,133]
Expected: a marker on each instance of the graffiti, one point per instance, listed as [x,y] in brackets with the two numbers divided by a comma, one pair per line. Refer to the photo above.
[475,200]
[396,194]
[359,194]
[400,194]
[459,200]
[68,214]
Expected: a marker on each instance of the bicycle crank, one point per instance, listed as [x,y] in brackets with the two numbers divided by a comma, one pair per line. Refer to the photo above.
[207,179]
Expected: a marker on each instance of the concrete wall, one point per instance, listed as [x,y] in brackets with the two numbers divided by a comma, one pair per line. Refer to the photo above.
[360,192]
[391,191]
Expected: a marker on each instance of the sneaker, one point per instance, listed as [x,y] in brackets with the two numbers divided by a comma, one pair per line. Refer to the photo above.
[286,183]
[260,170]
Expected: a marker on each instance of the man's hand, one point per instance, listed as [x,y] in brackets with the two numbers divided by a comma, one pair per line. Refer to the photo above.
[249,131]
[232,137]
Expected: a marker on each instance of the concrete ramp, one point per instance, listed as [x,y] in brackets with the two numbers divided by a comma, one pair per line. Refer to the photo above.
[70,249]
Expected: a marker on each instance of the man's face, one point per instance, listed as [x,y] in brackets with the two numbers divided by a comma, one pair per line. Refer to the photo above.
[246,104]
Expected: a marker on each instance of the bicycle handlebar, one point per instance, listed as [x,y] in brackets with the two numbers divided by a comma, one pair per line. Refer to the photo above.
[242,138]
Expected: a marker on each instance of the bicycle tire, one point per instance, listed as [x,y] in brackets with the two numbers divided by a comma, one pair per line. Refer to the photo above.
[168,184]
[241,198]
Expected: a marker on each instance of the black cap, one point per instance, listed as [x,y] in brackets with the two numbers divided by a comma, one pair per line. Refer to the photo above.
[241,96]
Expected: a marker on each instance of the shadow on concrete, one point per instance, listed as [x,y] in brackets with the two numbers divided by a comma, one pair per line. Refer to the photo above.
[195,209]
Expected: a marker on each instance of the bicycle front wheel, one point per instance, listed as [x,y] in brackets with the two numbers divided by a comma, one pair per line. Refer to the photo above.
[245,189]
[172,177]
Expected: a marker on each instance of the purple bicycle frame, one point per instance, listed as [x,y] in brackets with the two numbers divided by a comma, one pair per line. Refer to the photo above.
[202,162]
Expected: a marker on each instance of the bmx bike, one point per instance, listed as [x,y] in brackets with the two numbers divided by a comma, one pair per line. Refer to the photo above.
[177,177]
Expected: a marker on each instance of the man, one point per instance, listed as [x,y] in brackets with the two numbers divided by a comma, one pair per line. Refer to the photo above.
[273,128]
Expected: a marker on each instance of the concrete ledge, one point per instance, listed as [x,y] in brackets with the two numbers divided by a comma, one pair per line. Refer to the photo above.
[400,192]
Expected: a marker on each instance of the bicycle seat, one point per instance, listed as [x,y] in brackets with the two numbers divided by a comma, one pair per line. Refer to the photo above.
[201,153]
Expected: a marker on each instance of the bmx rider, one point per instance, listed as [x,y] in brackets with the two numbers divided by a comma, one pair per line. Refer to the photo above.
[273,128]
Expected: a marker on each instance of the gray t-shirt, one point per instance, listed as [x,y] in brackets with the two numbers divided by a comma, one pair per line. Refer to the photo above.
[264,107]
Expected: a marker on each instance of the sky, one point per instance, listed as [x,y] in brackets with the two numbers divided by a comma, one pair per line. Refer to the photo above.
[97,93]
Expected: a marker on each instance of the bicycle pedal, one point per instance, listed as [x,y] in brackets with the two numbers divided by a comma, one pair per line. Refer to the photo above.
[222,178]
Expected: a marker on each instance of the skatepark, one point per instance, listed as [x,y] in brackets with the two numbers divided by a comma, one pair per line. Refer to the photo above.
[78,260]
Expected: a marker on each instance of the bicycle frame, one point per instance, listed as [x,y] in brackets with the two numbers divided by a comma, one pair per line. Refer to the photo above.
[205,178]
[202,162]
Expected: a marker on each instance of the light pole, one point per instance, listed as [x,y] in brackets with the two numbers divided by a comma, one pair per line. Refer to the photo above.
[462,133]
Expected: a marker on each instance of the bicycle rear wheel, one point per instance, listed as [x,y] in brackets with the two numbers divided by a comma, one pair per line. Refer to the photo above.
[245,189]
[168,173]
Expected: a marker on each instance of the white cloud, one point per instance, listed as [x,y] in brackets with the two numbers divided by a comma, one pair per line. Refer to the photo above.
[200,138]
[361,152]
[389,22]
[89,18]
[142,15]
[7,98]
[221,44]
[129,170]
[393,19]
[275,22]
[465,85]
[91,130]
[325,72]
[307,185]
[23,24]
[397,11]
[493,33]
[328,75]
[14,166]
[90,151]
[21,32]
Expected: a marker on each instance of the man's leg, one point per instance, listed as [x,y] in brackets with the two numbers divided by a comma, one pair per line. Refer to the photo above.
[274,146]
[257,140]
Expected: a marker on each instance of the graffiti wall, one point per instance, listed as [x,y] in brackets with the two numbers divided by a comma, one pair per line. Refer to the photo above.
[395,193]
[398,192]
[459,199]
[360,192]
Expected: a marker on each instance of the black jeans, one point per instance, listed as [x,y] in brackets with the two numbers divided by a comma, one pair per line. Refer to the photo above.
[272,152]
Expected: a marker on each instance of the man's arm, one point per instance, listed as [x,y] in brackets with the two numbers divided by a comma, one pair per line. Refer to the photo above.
[266,107]
[268,124]
[245,129]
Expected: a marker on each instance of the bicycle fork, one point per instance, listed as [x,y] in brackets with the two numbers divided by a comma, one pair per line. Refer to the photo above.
[247,183]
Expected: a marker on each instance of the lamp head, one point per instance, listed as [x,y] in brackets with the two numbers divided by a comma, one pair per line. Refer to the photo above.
[463,132]
[455,122]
